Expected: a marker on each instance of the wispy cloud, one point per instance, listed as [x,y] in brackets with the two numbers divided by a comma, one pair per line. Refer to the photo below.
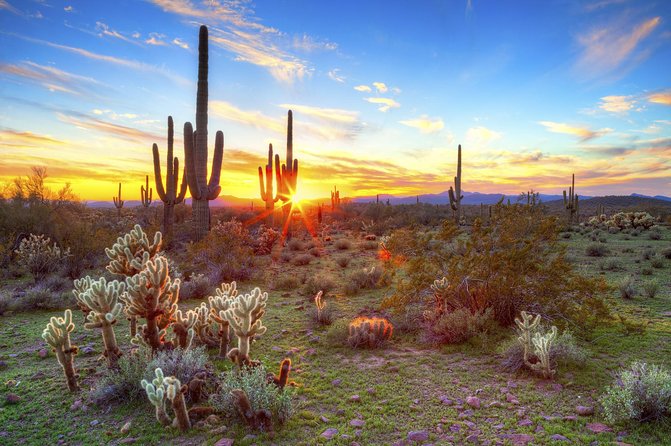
[180,43]
[116,130]
[156,39]
[335,75]
[425,124]
[381,87]
[363,88]
[14,138]
[609,49]
[617,104]
[385,103]
[309,44]
[105,30]
[584,133]
[325,114]
[481,135]
[68,8]
[135,65]
[662,97]
[6,6]
[599,4]
[52,78]
[256,119]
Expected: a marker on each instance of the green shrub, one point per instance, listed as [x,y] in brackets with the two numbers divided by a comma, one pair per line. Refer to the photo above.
[648,254]
[657,262]
[197,287]
[315,252]
[262,394]
[655,235]
[460,325]
[225,254]
[640,393]
[286,283]
[364,278]
[626,287]
[39,257]
[369,245]
[320,282]
[180,363]
[337,334]
[646,271]
[596,250]
[123,385]
[611,265]
[666,252]
[565,351]
[650,288]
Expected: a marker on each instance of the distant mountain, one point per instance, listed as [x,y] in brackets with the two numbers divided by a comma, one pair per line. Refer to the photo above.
[471,198]
[658,197]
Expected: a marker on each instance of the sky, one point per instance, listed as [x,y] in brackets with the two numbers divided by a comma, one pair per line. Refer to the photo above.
[382,92]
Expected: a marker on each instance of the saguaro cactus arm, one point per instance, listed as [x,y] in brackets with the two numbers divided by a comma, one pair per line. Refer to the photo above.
[118,202]
[146,193]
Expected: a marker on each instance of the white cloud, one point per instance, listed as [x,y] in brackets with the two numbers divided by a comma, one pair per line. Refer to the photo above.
[335,75]
[180,43]
[617,104]
[381,87]
[425,124]
[481,135]
[363,88]
[582,132]
[385,103]
[156,39]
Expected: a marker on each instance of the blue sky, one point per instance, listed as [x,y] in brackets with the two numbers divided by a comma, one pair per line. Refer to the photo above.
[382,92]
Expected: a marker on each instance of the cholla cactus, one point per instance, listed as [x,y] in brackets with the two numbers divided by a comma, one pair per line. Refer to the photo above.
[156,392]
[57,335]
[525,330]
[244,316]
[320,304]
[626,220]
[542,347]
[152,295]
[204,325]
[224,296]
[175,392]
[102,301]
[36,254]
[183,328]
[130,252]
[369,332]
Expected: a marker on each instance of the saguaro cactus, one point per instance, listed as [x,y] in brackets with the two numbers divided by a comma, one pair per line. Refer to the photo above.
[146,193]
[57,335]
[267,189]
[571,202]
[169,194]
[118,202]
[195,150]
[244,316]
[455,194]
[335,198]
[102,299]
[288,175]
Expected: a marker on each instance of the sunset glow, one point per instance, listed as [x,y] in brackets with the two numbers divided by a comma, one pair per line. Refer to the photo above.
[381,93]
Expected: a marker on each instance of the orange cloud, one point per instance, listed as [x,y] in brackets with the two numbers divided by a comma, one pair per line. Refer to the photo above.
[52,78]
[584,133]
[617,104]
[385,103]
[425,124]
[662,97]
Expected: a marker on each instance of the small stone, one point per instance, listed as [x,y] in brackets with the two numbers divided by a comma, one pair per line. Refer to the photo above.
[512,399]
[275,348]
[525,422]
[355,399]
[224,442]
[324,419]
[494,404]
[3,365]
[357,423]
[518,439]
[43,353]
[473,439]
[249,437]
[445,400]
[539,429]
[219,430]
[125,428]
[94,423]
[598,428]
[212,420]
[473,401]
[371,391]
[465,414]
[584,411]
[329,433]
[87,350]
[310,352]
[418,436]
[336,382]
[13,398]
[76,405]
[570,418]
[128,440]
[558,437]
[455,428]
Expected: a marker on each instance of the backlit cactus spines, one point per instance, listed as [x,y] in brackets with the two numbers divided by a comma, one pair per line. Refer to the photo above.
[224,296]
[183,328]
[542,346]
[146,193]
[288,177]
[195,150]
[174,391]
[152,295]
[127,255]
[525,330]
[57,335]
[156,393]
[320,304]
[102,300]
[170,195]
[204,325]
[244,317]
[369,332]
[267,188]
[118,202]
[455,194]
[282,380]
[571,202]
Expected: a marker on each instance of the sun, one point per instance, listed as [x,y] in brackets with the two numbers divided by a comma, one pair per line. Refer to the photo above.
[296,199]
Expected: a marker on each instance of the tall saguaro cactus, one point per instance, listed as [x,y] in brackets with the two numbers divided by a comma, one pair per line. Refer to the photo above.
[169,194]
[289,172]
[571,202]
[118,202]
[195,150]
[267,189]
[335,198]
[455,194]
[146,193]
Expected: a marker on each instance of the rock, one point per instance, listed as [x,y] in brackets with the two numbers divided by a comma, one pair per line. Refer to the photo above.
[445,400]
[336,382]
[465,414]
[357,423]
[76,405]
[125,428]
[355,399]
[219,430]
[494,404]
[455,428]
[598,428]
[512,399]
[525,422]
[584,411]
[473,439]
[473,401]
[37,376]
[310,352]
[87,350]
[329,433]
[371,391]
[518,439]
[324,419]
[249,437]
[12,398]
[224,442]
[213,420]
[418,436]
[128,440]
[94,423]
[570,418]
[43,353]
[3,365]
[275,348]
[558,437]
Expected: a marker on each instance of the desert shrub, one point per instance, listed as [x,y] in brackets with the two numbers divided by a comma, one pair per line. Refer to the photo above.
[343,244]
[310,244]
[369,245]
[626,287]
[286,282]
[41,297]
[180,363]
[337,334]
[460,325]
[295,245]
[302,259]
[650,288]
[225,254]
[635,232]
[320,282]
[666,252]
[321,313]
[365,332]
[613,230]
[123,385]
[657,262]
[364,278]
[646,271]
[286,256]
[611,265]
[640,393]
[262,394]
[627,250]
[566,235]
[266,237]
[39,257]
[648,254]
[515,263]
[315,252]
[197,287]
[564,351]
[655,234]
[343,261]
[597,250]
